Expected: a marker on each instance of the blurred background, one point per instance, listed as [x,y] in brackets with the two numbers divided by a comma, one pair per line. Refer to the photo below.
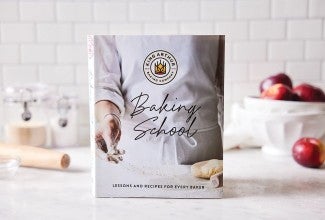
[45,41]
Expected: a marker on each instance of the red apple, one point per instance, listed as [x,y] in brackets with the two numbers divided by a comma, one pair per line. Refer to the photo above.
[278,92]
[295,97]
[309,93]
[275,79]
[309,152]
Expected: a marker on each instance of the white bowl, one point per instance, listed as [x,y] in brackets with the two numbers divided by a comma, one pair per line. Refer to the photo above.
[256,104]
[8,166]
[277,132]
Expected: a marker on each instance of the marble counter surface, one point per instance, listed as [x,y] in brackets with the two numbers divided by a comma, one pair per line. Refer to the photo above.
[256,186]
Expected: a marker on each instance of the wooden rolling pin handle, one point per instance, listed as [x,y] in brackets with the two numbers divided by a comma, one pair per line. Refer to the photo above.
[65,161]
[36,156]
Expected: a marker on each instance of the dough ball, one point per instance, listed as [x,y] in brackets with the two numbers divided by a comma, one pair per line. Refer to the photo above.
[206,169]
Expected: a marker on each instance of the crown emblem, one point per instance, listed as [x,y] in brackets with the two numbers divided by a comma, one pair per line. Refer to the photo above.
[160,68]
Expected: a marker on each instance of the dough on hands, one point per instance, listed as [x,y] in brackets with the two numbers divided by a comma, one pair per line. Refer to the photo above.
[206,169]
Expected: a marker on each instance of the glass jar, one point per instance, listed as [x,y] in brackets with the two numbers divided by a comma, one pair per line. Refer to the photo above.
[25,120]
[63,120]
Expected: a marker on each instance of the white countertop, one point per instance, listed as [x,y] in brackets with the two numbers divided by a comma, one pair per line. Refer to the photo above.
[256,186]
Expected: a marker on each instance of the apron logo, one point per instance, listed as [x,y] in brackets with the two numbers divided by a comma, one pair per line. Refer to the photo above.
[160,67]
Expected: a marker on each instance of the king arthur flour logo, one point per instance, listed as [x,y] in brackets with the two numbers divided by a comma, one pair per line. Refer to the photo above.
[160,67]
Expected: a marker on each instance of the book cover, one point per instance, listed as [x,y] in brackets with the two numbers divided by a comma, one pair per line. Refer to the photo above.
[156,107]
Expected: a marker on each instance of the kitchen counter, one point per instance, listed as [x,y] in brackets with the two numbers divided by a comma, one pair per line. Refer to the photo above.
[256,186]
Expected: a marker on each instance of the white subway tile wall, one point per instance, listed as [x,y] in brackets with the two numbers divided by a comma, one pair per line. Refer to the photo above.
[42,11]
[54,32]
[111,11]
[289,9]
[45,41]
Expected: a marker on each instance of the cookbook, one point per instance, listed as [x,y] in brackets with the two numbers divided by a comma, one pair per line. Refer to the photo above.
[156,109]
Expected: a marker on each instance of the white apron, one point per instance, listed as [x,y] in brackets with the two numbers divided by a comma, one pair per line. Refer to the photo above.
[173,122]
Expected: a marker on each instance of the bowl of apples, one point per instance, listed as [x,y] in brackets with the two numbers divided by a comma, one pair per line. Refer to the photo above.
[284,113]
[279,96]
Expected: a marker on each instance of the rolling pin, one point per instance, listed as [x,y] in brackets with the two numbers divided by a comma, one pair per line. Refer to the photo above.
[36,156]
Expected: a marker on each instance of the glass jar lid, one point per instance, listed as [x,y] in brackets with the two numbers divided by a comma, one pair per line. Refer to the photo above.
[26,95]
[36,92]
[63,104]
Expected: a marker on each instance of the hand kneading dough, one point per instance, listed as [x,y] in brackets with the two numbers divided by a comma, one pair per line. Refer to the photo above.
[206,169]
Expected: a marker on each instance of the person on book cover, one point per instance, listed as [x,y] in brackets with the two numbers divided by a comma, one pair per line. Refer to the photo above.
[159,98]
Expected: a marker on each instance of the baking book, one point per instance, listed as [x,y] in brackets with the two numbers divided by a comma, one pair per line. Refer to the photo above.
[156,108]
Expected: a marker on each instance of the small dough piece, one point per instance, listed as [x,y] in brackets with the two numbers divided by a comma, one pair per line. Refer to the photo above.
[217,180]
[206,169]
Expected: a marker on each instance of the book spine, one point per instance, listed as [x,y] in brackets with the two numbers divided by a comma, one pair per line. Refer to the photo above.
[91,79]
